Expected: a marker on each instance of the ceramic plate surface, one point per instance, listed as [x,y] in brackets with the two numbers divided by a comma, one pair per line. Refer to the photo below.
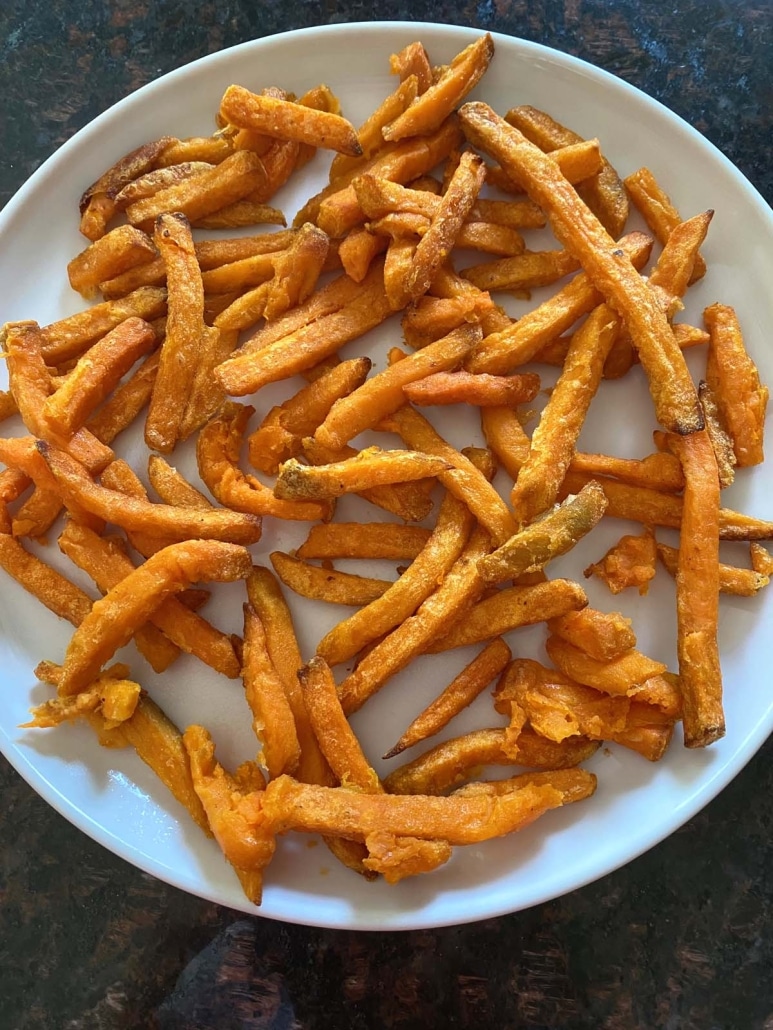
[112,796]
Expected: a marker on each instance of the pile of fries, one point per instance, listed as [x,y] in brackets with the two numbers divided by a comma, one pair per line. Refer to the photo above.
[183,325]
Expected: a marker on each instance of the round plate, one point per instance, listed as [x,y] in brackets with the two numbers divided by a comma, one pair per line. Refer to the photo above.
[111,796]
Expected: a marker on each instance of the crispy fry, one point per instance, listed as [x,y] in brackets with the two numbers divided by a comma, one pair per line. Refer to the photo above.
[455,761]
[655,206]
[285,120]
[94,377]
[79,491]
[323,584]
[463,479]
[525,271]
[241,213]
[207,396]
[391,540]
[460,693]
[280,435]
[732,579]
[605,194]
[110,255]
[697,594]
[399,603]
[534,546]
[52,589]
[115,699]
[172,487]
[735,383]
[217,453]
[159,178]
[307,345]
[515,343]
[720,438]
[108,565]
[203,194]
[614,676]
[432,106]
[412,60]
[382,394]
[369,134]
[673,393]
[296,270]
[273,720]
[371,467]
[602,635]
[628,563]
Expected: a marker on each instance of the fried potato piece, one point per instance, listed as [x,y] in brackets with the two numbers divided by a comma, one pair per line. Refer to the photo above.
[391,540]
[732,580]
[115,699]
[657,471]
[534,546]
[605,194]
[399,603]
[51,588]
[297,270]
[217,453]
[463,479]
[657,210]
[307,345]
[515,343]
[412,60]
[434,105]
[358,250]
[281,433]
[628,563]
[382,394]
[286,120]
[459,820]
[172,487]
[720,438]
[602,635]
[673,393]
[115,252]
[69,337]
[108,565]
[159,178]
[96,375]
[98,203]
[233,179]
[324,584]
[113,618]
[242,213]
[479,390]
[80,492]
[735,384]
[460,693]
[613,676]
[525,271]
[370,468]
[457,760]
[273,720]
[509,609]
[697,594]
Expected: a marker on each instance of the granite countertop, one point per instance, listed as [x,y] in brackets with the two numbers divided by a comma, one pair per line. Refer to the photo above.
[680,938]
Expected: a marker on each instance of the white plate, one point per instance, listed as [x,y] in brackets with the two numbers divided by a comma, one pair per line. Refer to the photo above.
[113,797]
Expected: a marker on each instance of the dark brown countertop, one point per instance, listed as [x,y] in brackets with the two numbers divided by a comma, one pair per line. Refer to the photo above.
[681,938]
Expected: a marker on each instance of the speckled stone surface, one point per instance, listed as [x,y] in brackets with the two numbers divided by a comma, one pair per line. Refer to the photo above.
[681,939]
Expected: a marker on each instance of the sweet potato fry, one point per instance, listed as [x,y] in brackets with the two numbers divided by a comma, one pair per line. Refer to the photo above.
[203,194]
[538,543]
[735,383]
[616,676]
[108,565]
[94,377]
[52,589]
[673,393]
[382,394]
[515,343]
[391,540]
[525,271]
[324,584]
[455,761]
[115,699]
[509,609]
[286,120]
[159,178]
[463,479]
[655,207]
[217,453]
[113,618]
[605,195]
[242,213]
[602,635]
[414,586]
[732,579]
[432,106]
[273,720]
[371,467]
[628,563]
[296,270]
[79,491]
[115,252]
[280,435]
[307,345]
[697,594]
[720,438]
[460,693]
[412,60]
